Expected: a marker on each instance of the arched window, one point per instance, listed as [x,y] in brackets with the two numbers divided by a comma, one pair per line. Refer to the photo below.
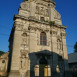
[43,40]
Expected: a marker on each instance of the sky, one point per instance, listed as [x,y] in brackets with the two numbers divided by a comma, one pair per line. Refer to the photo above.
[67,9]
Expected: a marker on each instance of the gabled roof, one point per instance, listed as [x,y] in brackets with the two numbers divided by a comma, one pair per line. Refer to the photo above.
[5,55]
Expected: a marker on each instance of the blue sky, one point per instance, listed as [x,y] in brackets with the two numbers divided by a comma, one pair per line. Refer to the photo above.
[67,9]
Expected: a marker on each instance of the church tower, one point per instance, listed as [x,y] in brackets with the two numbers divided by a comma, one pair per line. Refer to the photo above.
[37,44]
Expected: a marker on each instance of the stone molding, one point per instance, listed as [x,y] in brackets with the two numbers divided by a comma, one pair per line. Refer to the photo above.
[63,35]
[25,6]
[37,28]
[38,21]
[53,33]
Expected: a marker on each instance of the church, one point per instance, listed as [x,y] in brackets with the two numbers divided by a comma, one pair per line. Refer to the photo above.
[37,43]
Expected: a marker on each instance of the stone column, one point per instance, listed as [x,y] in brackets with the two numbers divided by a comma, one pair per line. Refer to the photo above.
[51,12]
[54,52]
[32,8]
[66,67]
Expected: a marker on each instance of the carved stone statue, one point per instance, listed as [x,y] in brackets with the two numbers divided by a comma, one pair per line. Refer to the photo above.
[23,62]
[37,9]
[42,10]
[58,42]
[46,12]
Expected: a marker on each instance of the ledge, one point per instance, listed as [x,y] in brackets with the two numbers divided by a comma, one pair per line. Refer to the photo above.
[38,21]
[31,19]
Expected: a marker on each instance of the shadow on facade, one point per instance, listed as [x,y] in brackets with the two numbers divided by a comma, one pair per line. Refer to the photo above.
[45,64]
[73,69]
[48,64]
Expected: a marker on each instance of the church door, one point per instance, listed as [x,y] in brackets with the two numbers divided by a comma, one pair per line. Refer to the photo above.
[43,68]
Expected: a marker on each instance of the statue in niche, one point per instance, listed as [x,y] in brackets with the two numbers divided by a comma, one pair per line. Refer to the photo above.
[23,62]
[47,12]
[42,10]
[59,44]
[37,9]
[24,42]
[24,38]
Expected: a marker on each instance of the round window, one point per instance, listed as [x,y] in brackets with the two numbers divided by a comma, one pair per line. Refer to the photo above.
[3,61]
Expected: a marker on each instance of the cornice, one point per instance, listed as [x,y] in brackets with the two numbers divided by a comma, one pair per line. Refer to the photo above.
[31,19]
[38,21]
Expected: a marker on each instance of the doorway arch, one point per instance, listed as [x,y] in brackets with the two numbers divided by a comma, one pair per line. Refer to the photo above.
[43,67]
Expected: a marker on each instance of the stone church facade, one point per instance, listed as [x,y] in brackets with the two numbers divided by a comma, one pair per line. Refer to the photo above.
[37,44]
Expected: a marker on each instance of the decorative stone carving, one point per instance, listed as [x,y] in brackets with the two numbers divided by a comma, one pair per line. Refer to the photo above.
[24,13]
[59,37]
[59,44]
[24,40]
[57,15]
[24,47]
[63,35]
[38,39]
[46,12]
[38,28]
[54,33]
[42,11]
[19,27]
[25,6]
[25,31]
[24,35]
[23,62]
[24,52]
[61,53]
[24,59]
[37,9]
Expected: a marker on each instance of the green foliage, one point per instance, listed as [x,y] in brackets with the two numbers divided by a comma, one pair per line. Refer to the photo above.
[52,22]
[75,47]
[1,52]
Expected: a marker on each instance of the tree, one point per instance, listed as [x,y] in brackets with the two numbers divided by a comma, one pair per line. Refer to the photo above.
[1,52]
[75,47]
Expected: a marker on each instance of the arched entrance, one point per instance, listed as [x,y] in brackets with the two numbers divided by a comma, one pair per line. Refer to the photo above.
[43,67]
